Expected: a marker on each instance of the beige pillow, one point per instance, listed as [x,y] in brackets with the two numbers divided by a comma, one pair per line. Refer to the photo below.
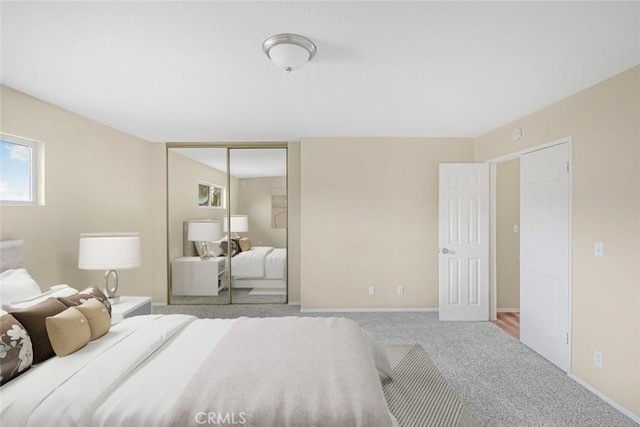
[97,315]
[68,331]
[245,244]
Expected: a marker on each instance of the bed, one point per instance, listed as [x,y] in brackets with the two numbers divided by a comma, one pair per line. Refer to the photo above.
[258,268]
[177,370]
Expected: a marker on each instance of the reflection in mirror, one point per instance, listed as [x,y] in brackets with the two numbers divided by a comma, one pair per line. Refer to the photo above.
[197,206]
[258,225]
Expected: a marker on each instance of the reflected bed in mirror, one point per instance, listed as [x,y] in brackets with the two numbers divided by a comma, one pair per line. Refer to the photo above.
[253,182]
[258,274]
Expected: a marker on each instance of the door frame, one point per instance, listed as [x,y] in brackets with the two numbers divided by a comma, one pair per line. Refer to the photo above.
[493,262]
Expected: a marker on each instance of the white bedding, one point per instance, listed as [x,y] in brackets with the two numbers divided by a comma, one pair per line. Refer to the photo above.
[77,389]
[275,264]
[260,262]
[130,377]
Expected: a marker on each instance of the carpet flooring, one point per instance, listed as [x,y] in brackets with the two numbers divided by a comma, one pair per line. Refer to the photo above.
[500,381]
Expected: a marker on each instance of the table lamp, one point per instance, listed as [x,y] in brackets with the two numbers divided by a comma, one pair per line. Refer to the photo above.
[110,252]
[239,224]
[202,233]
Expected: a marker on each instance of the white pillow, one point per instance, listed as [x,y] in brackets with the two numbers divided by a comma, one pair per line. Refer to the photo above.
[17,285]
[54,292]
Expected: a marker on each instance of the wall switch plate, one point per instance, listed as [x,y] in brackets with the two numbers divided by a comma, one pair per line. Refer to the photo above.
[598,250]
[372,290]
[400,290]
[597,359]
[516,228]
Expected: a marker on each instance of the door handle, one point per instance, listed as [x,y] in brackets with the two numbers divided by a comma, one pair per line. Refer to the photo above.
[444,250]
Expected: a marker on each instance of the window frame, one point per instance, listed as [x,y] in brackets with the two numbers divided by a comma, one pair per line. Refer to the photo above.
[36,170]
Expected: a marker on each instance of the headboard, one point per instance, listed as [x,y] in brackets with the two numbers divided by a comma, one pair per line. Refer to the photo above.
[11,254]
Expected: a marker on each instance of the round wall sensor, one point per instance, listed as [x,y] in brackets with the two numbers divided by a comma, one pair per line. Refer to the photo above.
[517,134]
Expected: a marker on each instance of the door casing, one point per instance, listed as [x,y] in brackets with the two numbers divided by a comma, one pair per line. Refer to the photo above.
[493,219]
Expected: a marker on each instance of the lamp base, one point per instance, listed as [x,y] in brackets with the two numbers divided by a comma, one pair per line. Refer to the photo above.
[110,290]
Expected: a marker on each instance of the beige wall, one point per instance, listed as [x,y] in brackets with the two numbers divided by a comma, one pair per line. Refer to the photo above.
[604,124]
[369,217]
[508,242]
[97,180]
[184,176]
[254,200]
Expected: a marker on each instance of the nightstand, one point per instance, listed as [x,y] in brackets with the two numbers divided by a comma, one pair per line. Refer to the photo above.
[192,276]
[130,306]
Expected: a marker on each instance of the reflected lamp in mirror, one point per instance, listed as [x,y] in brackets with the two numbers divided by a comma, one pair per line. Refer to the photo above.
[201,233]
[239,224]
[109,252]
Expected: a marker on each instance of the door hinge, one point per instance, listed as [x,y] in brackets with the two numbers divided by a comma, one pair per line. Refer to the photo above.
[567,335]
[567,167]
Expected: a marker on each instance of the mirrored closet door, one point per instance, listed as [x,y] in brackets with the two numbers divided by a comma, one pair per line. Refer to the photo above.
[258,225]
[227,224]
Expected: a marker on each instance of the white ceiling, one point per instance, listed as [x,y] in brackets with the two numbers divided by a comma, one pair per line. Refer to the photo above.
[195,71]
[243,162]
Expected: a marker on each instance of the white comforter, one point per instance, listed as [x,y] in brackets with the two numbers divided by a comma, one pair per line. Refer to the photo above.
[130,377]
[77,390]
[260,262]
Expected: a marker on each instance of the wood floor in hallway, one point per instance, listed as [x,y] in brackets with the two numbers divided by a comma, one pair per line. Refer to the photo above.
[510,323]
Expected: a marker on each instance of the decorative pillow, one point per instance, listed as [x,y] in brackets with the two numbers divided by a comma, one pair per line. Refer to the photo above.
[97,317]
[235,247]
[83,296]
[245,244]
[54,292]
[33,320]
[16,351]
[17,285]
[68,331]
[214,248]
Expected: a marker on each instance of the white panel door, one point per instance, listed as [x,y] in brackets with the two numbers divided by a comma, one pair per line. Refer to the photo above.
[544,253]
[464,241]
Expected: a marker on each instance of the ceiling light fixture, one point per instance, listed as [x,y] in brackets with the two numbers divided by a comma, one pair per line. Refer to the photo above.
[289,51]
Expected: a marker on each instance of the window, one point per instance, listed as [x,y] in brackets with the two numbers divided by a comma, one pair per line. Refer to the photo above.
[210,195]
[20,160]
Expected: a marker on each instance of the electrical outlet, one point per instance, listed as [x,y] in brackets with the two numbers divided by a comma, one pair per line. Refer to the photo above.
[400,290]
[598,250]
[597,359]
[372,290]
[516,228]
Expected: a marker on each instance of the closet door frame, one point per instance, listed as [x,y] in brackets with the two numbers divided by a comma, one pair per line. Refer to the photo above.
[228,147]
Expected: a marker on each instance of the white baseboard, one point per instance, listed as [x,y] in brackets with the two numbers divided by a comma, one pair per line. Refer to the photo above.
[158,304]
[508,310]
[365,310]
[606,398]
[294,302]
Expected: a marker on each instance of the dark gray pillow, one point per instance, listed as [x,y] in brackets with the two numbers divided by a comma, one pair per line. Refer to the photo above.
[34,321]
[83,296]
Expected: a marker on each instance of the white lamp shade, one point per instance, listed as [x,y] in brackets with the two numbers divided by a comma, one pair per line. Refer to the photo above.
[205,231]
[116,251]
[289,56]
[239,224]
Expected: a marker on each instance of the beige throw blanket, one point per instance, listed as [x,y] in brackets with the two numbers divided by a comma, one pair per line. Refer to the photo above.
[292,371]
